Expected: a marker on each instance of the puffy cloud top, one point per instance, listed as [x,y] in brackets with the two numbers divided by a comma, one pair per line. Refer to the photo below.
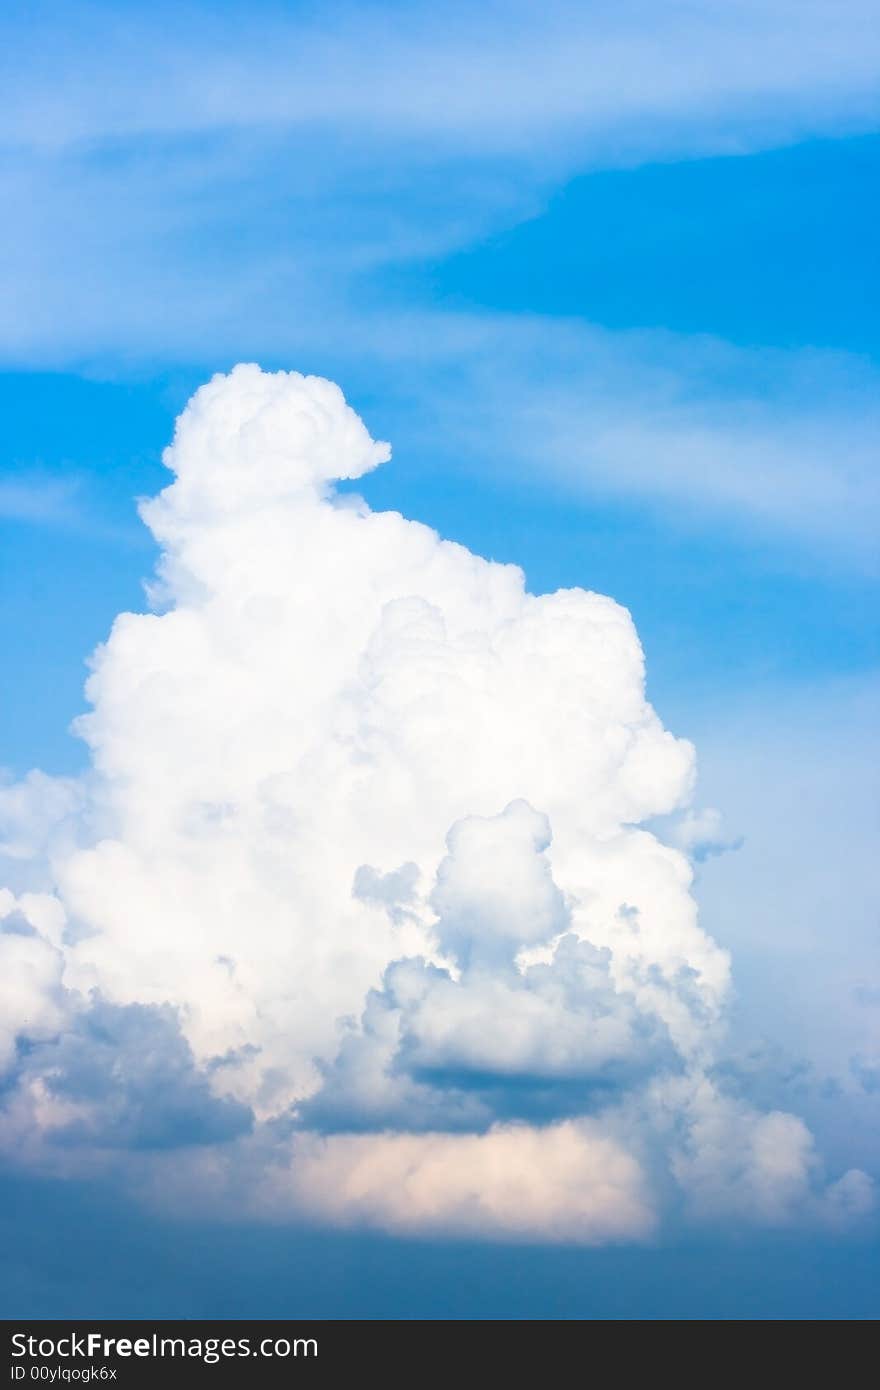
[253,438]
[495,892]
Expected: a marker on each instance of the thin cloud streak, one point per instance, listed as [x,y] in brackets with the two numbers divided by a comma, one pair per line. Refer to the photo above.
[499,79]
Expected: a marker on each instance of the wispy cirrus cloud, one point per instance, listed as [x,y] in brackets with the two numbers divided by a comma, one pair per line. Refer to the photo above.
[262,172]
[625,78]
[254,167]
[40,499]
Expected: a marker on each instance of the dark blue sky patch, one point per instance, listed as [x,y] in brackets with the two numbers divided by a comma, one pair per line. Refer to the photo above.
[778,249]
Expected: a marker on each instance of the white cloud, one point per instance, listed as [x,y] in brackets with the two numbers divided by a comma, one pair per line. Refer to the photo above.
[495,893]
[779,443]
[737,1163]
[568,1183]
[30,975]
[735,1160]
[32,810]
[360,850]
[701,833]
[334,688]
[523,1003]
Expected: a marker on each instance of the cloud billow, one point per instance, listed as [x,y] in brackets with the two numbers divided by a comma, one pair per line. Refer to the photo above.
[355,911]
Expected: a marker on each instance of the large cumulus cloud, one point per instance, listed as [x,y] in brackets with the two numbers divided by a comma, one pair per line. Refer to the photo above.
[357,896]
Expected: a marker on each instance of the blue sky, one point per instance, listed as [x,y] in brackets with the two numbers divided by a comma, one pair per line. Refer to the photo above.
[100,1259]
[609,284]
